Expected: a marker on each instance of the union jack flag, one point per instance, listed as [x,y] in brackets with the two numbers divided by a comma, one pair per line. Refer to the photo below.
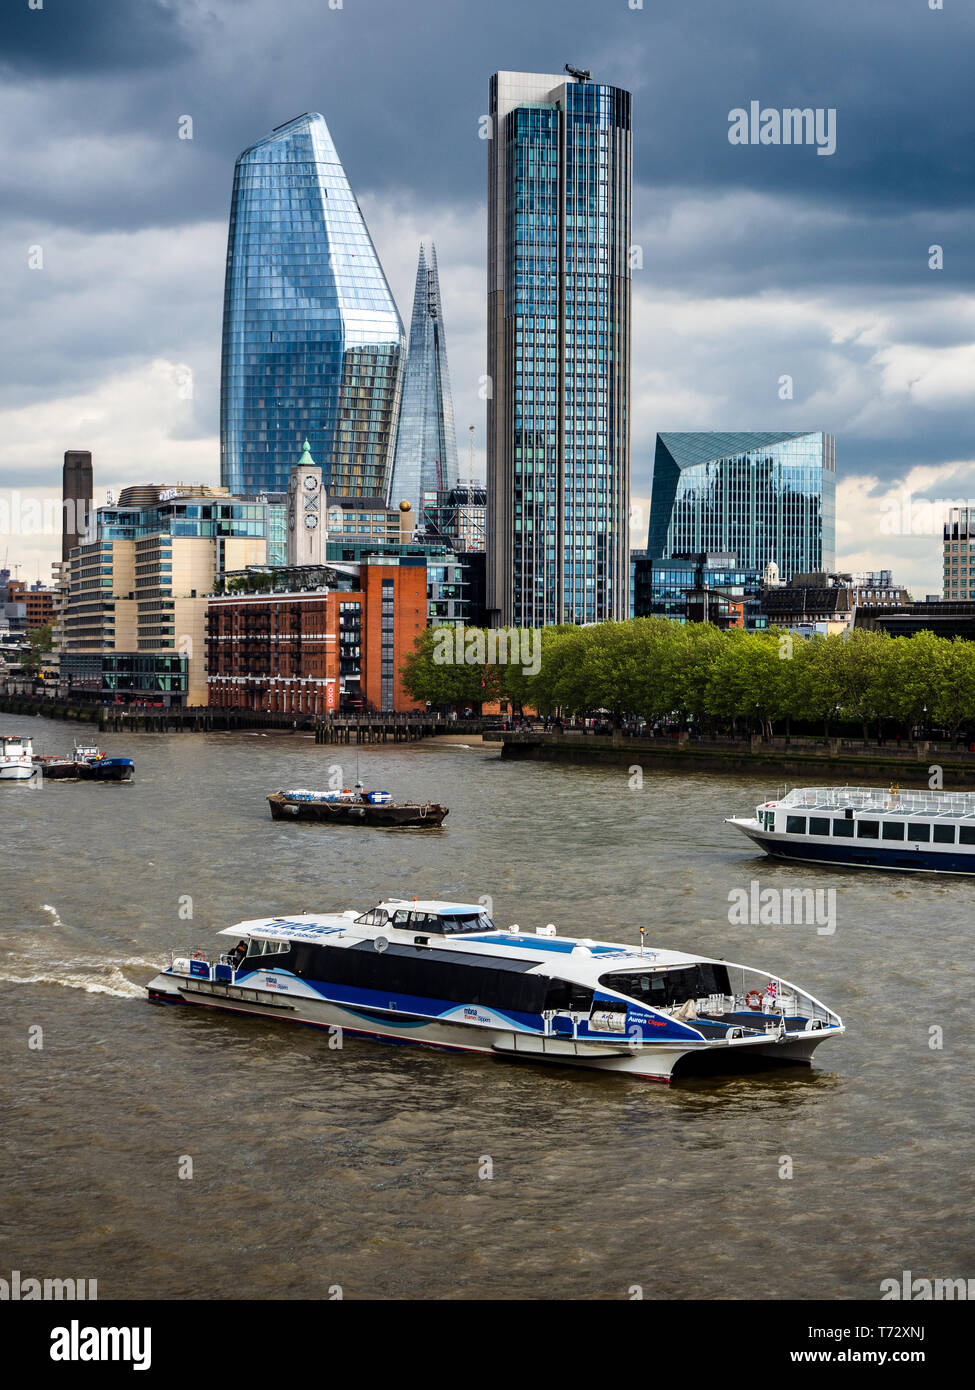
[772,988]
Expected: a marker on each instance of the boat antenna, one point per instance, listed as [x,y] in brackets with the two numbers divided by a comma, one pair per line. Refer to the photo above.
[643,932]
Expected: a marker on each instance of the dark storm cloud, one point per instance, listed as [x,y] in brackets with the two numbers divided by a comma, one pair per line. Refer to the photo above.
[93,36]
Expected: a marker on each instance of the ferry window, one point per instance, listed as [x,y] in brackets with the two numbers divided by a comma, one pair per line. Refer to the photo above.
[966,834]
[466,921]
[893,830]
[918,831]
[564,994]
[795,825]
[843,827]
[373,918]
[818,825]
[944,834]
[400,919]
[662,988]
[868,829]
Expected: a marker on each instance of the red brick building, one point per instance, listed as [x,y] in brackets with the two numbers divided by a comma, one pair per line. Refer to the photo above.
[38,603]
[309,652]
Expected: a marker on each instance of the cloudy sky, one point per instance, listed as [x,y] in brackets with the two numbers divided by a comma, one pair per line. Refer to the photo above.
[759,261]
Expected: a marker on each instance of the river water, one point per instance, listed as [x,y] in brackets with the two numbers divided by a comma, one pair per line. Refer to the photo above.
[365,1169]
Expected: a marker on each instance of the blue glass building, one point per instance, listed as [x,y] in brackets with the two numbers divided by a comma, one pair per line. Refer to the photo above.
[558,427]
[759,496]
[312,341]
[426,443]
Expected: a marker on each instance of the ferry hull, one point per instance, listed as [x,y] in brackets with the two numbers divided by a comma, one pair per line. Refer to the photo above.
[649,1062]
[426,817]
[16,774]
[855,854]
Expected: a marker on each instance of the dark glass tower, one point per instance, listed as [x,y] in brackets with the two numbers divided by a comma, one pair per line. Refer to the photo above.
[312,341]
[426,444]
[558,423]
[758,496]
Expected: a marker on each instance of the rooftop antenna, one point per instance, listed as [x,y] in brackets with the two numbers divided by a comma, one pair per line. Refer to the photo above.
[470,434]
[580,74]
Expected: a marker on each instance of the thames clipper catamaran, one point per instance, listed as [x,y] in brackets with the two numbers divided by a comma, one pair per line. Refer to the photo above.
[441,973]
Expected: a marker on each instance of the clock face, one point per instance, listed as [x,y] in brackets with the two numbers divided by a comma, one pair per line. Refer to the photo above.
[311,482]
[311,521]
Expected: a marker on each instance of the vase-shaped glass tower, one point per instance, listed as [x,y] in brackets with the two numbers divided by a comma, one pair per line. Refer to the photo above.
[558,425]
[426,443]
[313,344]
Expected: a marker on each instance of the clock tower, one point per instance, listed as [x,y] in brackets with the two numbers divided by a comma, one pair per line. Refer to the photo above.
[306,512]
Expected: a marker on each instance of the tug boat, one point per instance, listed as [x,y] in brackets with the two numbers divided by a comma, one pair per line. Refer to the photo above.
[355,806]
[95,766]
[16,758]
[867,827]
[441,974]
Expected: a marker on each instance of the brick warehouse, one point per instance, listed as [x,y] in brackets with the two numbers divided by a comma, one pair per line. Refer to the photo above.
[313,652]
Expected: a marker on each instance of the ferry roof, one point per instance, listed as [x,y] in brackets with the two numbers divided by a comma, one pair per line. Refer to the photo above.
[892,800]
[571,957]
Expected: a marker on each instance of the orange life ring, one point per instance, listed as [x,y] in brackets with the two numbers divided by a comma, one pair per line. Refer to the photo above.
[754,994]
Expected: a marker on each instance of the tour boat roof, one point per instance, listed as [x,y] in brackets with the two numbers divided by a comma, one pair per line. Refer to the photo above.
[891,800]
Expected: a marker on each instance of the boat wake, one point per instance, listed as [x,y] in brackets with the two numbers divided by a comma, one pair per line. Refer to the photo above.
[94,977]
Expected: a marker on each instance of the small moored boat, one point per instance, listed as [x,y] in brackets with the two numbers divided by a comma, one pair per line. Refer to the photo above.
[95,766]
[441,973]
[16,758]
[868,827]
[355,806]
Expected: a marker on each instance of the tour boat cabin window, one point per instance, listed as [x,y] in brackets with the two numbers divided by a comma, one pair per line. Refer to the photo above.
[893,830]
[843,827]
[868,829]
[795,825]
[818,825]
[917,830]
[966,834]
[944,834]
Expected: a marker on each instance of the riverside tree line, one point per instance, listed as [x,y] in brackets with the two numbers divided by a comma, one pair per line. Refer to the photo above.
[700,675]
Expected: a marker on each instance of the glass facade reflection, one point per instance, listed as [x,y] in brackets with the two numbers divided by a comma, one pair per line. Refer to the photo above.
[558,350]
[761,497]
[312,340]
[426,443]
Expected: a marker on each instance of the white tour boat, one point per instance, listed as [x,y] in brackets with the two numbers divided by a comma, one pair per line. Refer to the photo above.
[16,758]
[867,827]
[441,973]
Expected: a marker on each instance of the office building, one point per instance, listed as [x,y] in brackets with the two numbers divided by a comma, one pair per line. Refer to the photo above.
[133,624]
[456,515]
[762,497]
[558,409]
[959,554]
[313,344]
[317,640]
[426,443]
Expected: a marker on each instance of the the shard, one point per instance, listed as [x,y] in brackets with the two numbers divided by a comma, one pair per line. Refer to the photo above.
[313,344]
[426,445]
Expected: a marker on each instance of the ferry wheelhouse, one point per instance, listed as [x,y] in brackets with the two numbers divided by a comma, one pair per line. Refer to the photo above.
[441,973]
[868,827]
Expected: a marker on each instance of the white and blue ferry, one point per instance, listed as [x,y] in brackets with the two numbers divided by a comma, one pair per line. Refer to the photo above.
[868,827]
[441,973]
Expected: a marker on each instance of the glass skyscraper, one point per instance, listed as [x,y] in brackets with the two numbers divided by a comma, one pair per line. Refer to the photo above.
[758,496]
[426,445]
[312,342]
[558,424]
